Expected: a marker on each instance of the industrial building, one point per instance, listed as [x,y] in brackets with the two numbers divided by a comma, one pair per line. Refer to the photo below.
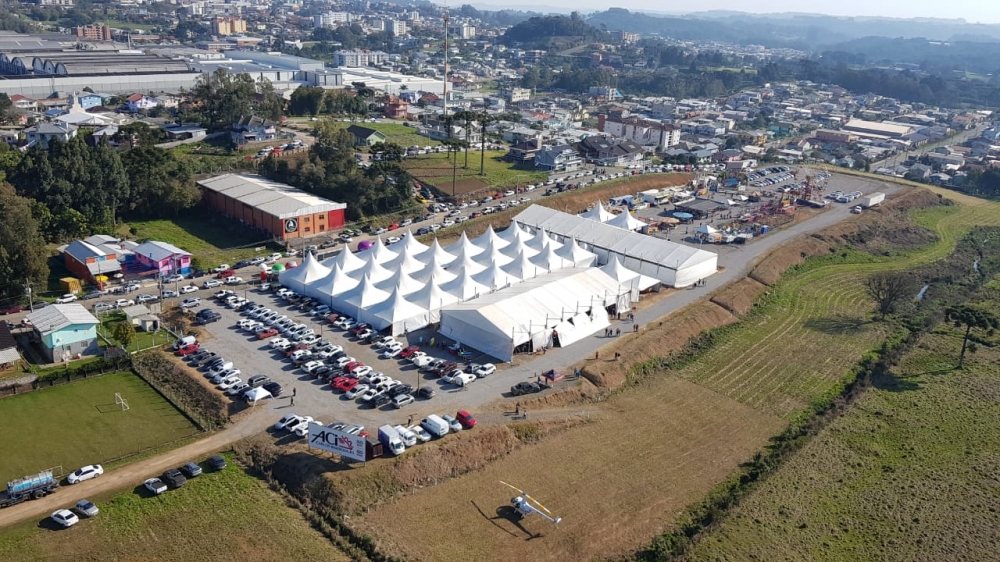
[872,129]
[275,208]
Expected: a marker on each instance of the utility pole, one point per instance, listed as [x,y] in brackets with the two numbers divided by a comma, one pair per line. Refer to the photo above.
[27,292]
[445,88]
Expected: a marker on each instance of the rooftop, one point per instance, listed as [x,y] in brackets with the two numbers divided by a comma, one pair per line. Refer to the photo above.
[277,199]
[56,317]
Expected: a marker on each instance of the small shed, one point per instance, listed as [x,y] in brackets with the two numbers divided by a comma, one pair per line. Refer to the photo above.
[140,317]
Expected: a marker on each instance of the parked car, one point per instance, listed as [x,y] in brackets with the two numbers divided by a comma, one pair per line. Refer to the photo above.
[274,388]
[453,424]
[191,470]
[65,518]
[402,400]
[485,370]
[188,349]
[426,392]
[258,380]
[211,283]
[67,298]
[174,478]
[85,473]
[190,302]
[144,298]
[216,462]
[466,419]
[155,485]
[86,508]
[13,309]
[188,289]
[525,388]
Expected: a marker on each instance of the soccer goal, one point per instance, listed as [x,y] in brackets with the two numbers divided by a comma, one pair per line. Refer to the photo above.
[121,401]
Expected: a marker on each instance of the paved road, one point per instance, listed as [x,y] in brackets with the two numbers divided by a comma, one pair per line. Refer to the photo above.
[317,400]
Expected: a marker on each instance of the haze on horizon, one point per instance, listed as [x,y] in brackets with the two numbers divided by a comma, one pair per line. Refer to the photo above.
[973,11]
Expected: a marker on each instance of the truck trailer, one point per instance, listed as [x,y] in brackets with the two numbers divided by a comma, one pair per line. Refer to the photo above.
[34,486]
[872,199]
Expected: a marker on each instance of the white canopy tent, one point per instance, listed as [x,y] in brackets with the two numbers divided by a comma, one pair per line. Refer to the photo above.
[520,247]
[514,233]
[405,263]
[346,260]
[493,256]
[673,264]
[523,268]
[409,244]
[297,278]
[541,240]
[635,282]
[597,213]
[464,247]
[360,300]
[375,271]
[490,238]
[432,299]
[255,395]
[627,221]
[380,253]
[398,315]
[465,265]
[436,253]
[401,282]
[465,287]
[577,256]
[495,278]
[334,283]
[549,260]
[434,273]
[498,323]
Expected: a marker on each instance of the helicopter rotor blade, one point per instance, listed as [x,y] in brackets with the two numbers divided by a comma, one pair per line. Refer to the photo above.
[538,503]
[514,488]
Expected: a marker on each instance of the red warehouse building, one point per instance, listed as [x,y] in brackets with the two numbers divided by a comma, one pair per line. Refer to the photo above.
[276,208]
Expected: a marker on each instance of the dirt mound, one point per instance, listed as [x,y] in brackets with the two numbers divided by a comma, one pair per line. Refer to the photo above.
[913,199]
[584,393]
[660,340]
[739,297]
[770,269]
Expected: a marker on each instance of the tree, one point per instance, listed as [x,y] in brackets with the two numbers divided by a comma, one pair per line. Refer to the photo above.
[484,120]
[23,255]
[888,289]
[227,97]
[306,101]
[971,318]
[124,333]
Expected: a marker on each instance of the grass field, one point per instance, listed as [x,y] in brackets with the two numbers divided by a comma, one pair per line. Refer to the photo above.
[212,240]
[664,443]
[217,516]
[79,423]
[908,474]
[143,340]
[395,132]
[436,169]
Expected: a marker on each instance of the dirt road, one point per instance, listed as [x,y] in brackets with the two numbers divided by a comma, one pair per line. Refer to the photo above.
[134,474]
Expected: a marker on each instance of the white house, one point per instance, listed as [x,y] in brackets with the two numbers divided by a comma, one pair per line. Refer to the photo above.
[135,102]
[41,134]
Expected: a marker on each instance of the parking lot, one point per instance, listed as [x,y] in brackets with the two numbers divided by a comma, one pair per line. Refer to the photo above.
[316,398]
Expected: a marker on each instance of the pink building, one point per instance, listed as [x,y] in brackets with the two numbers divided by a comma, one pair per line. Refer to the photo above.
[163,257]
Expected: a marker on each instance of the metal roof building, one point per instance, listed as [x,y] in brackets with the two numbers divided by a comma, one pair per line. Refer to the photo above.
[279,209]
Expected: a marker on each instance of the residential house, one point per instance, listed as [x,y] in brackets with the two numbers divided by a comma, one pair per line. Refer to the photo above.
[610,152]
[728,155]
[640,131]
[363,136]
[137,102]
[23,102]
[42,134]
[253,129]
[182,131]
[10,137]
[523,153]
[561,158]
[396,108]
[163,257]
[9,356]
[89,261]
[87,100]
[65,331]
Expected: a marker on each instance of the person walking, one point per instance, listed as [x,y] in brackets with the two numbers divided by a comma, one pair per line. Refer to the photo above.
[293,392]
[293,400]
[409,420]
[618,332]
[517,409]
[597,354]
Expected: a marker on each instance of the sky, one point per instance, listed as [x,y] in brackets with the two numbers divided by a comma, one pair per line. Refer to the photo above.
[973,11]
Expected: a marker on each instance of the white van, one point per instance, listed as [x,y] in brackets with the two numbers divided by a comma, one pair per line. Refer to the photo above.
[409,438]
[186,340]
[435,425]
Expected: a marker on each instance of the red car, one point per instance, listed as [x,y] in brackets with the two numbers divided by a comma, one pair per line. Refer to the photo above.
[359,328]
[393,226]
[350,366]
[268,333]
[466,419]
[409,351]
[188,349]
[345,384]
[294,348]
[12,309]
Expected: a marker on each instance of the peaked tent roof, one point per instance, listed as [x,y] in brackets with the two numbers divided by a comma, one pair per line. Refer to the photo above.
[513,233]
[572,252]
[496,278]
[618,272]
[495,257]
[519,247]
[334,283]
[380,252]
[488,238]
[549,260]
[310,270]
[346,260]
[597,213]
[406,263]
[434,274]
[432,297]
[464,248]
[465,265]
[465,287]
[436,252]
[401,282]
[522,268]
[395,312]
[410,245]
[375,271]
[627,221]
[541,239]
[364,296]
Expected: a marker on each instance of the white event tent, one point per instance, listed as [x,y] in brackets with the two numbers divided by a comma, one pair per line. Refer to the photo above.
[673,264]
[627,221]
[597,213]
[558,308]
[298,278]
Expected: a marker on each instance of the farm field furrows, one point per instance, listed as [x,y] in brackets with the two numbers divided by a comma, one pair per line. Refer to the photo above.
[909,473]
[663,444]
[218,516]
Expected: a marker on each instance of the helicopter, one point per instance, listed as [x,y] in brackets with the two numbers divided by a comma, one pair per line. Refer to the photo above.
[526,505]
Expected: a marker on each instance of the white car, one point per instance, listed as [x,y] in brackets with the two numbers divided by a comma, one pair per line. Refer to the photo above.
[170,293]
[85,473]
[220,268]
[285,420]
[302,422]
[279,342]
[421,433]
[175,278]
[155,485]
[464,379]
[311,366]
[360,371]
[392,351]
[273,257]
[188,289]
[258,260]
[291,253]
[146,298]
[230,382]
[187,303]
[384,342]
[370,394]
[237,389]
[121,303]
[67,298]
[233,280]
[343,361]
[508,193]
[356,391]
[211,283]
[65,517]
[309,339]
[486,370]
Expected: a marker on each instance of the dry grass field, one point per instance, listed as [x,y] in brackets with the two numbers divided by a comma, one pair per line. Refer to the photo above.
[660,444]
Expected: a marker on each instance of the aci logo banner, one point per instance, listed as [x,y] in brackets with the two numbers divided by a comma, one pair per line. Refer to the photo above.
[336,442]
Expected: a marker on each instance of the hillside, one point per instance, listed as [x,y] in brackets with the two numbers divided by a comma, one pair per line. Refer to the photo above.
[544,31]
